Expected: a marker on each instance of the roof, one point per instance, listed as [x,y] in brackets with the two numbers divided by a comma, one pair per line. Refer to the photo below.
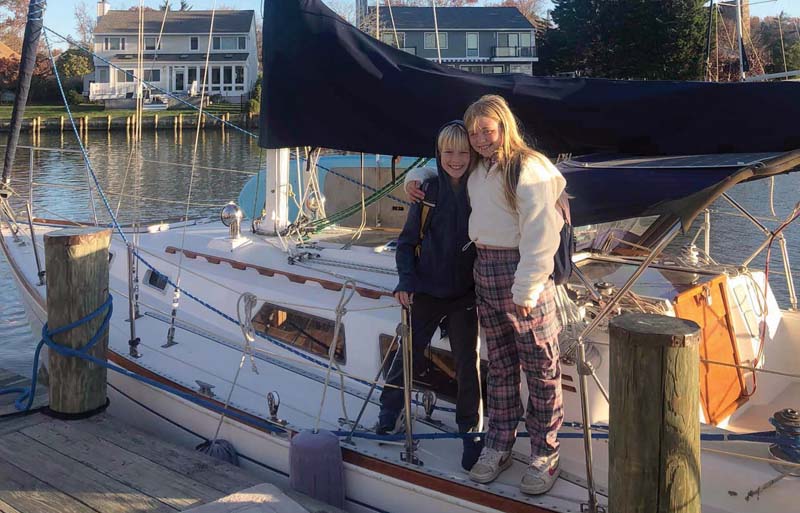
[7,53]
[177,22]
[454,18]
[185,57]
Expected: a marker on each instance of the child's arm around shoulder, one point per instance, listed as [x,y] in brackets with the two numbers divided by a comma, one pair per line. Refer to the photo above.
[539,188]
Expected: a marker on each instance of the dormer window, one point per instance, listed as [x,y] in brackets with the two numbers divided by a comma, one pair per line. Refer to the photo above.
[114,43]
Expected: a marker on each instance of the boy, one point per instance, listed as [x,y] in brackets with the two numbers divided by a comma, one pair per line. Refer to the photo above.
[434,261]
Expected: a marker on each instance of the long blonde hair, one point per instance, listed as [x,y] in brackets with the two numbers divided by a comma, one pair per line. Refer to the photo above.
[513,149]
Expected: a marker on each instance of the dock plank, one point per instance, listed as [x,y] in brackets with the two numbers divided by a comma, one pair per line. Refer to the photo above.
[200,467]
[21,492]
[168,486]
[79,481]
[15,423]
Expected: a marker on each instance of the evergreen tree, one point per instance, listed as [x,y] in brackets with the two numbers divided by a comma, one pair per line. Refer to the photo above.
[637,39]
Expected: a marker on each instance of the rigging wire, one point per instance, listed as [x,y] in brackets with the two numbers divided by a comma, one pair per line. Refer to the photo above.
[176,293]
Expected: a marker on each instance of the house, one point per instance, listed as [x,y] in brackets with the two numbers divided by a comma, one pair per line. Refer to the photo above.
[176,62]
[476,39]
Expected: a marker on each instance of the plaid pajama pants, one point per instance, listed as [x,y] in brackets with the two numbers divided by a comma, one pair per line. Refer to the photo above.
[514,342]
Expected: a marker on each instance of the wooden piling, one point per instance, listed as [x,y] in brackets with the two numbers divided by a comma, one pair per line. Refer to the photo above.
[654,425]
[108,123]
[76,260]
[180,120]
[155,121]
[61,123]
[86,123]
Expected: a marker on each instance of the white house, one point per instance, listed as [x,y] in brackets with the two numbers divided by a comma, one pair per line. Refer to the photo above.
[176,63]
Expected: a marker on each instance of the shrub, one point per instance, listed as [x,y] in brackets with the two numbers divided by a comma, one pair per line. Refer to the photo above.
[254,106]
[74,97]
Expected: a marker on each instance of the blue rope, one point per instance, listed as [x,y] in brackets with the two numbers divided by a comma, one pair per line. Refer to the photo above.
[148,84]
[788,439]
[28,393]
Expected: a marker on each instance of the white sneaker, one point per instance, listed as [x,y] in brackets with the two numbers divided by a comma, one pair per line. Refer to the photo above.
[489,465]
[540,475]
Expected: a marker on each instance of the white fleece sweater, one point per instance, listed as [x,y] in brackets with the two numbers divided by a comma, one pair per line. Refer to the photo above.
[534,227]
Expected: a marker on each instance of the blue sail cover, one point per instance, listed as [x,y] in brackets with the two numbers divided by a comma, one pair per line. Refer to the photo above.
[328,84]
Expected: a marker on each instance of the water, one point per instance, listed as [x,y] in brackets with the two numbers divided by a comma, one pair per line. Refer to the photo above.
[164,178]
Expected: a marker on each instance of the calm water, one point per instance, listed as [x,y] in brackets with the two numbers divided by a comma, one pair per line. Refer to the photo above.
[162,176]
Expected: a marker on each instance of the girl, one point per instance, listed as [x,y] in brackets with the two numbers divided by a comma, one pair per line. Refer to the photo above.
[436,282]
[515,226]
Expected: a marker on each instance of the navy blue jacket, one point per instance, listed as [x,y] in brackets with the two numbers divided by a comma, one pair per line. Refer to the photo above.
[444,268]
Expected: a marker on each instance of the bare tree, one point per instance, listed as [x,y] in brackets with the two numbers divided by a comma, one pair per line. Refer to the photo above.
[13,16]
[534,10]
[84,23]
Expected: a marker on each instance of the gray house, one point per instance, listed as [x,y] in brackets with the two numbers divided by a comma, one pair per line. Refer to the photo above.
[175,54]
[476,39]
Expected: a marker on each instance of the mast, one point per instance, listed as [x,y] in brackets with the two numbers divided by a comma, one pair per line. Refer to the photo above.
[27,63]
[739,36]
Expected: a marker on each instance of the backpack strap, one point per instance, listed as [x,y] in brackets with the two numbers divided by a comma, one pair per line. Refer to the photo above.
[431,190]
[563,205]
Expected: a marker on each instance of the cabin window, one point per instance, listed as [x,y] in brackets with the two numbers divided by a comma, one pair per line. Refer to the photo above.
[150,43]
[304,331]
[156,280]
[430,40]
[114,43]
[193,43]
[472,44]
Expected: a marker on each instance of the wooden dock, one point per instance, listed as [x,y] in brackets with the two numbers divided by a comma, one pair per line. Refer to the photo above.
[102,465]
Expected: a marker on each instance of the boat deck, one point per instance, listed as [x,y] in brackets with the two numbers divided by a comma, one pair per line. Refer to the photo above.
[102,465]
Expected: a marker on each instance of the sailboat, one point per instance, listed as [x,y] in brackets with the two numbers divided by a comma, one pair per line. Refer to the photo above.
[314,316]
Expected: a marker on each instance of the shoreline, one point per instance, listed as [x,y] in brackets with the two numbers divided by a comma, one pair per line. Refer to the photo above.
[154,121]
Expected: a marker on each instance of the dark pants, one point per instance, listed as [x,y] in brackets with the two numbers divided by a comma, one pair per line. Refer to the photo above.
[462,328]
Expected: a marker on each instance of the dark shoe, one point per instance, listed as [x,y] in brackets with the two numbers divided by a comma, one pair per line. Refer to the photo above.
[472,450]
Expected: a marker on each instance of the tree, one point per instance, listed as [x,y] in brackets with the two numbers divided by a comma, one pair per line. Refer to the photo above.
[9,74]
[84,23]
[13,16]
[639,39]
[185,6]
[531,9]
[74,63]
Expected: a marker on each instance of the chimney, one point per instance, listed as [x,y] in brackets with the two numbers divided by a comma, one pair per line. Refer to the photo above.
[102,8]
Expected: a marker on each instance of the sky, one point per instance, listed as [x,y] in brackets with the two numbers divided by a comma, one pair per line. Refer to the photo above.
[59,15]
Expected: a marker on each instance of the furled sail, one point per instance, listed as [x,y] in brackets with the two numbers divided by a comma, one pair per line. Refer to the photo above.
[328,84]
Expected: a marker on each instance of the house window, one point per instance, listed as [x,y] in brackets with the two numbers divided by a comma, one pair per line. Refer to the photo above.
[125,76]
[102,75]
[225,43]
[307,332]
[471,69]
[472,44]
[114,43]
[239,75]
[193,43]
[227,75]
[192,76]
[489,70]
[430,40]
[150,43]
[215,78]
[152,75]
[242,43]
[388,38]
[514,40]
